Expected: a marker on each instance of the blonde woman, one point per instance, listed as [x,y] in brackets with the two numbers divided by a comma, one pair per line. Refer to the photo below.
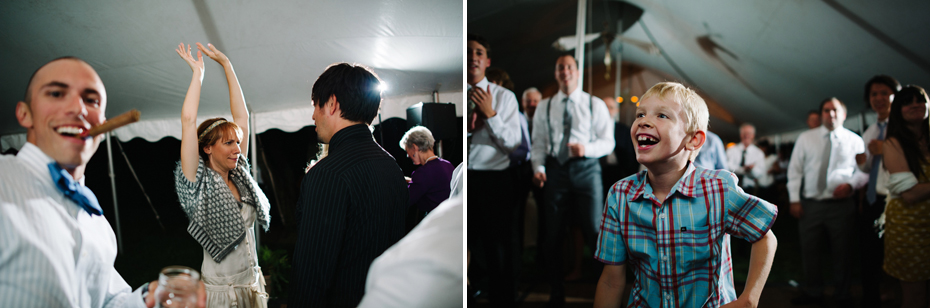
[218,193]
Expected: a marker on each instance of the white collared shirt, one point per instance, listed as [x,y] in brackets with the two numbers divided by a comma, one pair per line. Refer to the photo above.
[595,132]
[491,144]
[754,156]
[841,169]
[423,269]
[52,252]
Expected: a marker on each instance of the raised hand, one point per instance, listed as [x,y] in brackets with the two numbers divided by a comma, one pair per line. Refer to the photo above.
[196,65]
[214,53]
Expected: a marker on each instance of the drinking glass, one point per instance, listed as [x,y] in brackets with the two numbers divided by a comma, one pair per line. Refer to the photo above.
[177,287]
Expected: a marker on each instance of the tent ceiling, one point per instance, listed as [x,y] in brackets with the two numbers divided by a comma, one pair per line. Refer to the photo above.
[765,62]
[278,48]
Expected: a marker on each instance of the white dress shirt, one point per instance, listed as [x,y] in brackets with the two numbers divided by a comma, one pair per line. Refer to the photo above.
[754,156]
[491,144]
[595,132]
[423,269]
[52,252]
[768,179]
[841,169]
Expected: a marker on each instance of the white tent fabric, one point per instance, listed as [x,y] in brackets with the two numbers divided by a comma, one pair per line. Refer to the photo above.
[278,49]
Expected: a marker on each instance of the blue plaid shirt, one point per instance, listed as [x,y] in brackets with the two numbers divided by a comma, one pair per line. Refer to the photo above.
[679,249]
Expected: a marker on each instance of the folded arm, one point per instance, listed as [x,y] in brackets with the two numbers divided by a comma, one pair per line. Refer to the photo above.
[895,162]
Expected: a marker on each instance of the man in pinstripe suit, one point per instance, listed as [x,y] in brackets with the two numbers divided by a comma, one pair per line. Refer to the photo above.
[352,202]
[56,247]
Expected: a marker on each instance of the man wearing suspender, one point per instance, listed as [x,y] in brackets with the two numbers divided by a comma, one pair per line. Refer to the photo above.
[571,130]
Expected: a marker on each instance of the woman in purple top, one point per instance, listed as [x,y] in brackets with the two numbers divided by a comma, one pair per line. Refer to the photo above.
[429,184]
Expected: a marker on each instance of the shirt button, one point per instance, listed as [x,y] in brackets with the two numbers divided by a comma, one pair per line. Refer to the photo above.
[668,296]
[662,216]
[664,257]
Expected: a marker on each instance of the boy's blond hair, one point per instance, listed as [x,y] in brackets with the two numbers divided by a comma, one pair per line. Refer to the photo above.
[695,109]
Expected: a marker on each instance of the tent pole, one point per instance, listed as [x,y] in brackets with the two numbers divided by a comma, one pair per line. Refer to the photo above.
[618,91]
[142,188]
[254,160]
[119,231]
[579,34]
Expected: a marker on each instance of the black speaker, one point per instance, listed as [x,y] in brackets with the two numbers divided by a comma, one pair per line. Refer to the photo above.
[439,118]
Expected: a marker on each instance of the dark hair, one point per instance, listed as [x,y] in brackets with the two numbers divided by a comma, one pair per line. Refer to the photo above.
[28,96]
[889,81]
[568,54]
[481,40]
[825,101]
[766,147]
[222,131]
[814,112]
[897,128]
[356,87]
[496,75]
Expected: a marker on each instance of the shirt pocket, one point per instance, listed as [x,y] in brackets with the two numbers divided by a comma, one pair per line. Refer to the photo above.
[693,245]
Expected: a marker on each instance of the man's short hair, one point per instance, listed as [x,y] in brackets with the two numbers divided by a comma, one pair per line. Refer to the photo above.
[530,90]
[696,114]
[568,54]
[747,124]
[357,89]
[831,99]
[28,97]
[482,41]
[886,80]
[814,112]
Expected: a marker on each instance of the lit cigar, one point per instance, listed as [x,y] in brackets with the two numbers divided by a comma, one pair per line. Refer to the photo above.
[114,123]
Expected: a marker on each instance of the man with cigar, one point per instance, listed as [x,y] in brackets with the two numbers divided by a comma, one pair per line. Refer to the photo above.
[56,247]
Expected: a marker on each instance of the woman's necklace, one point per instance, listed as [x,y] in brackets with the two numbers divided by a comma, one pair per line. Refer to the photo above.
[430,158]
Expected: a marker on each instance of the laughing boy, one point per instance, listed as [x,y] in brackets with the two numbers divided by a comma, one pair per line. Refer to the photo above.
[672,222]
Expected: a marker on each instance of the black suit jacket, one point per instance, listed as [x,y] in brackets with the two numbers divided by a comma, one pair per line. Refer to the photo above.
[351,209]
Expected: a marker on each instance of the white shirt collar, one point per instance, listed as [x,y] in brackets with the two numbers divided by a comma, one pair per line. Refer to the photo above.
[37,161]
[483,84]
[575,96]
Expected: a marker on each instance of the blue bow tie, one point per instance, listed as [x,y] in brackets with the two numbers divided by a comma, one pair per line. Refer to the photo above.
[73,190]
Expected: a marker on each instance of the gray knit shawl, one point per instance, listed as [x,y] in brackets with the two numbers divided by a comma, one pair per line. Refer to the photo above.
[215,221]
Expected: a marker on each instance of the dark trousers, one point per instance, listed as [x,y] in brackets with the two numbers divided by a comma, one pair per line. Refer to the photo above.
[872,252]
[491,211]
[572,191]
[828,223]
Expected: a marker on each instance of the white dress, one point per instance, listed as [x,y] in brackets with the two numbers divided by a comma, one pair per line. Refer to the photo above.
[237,281]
